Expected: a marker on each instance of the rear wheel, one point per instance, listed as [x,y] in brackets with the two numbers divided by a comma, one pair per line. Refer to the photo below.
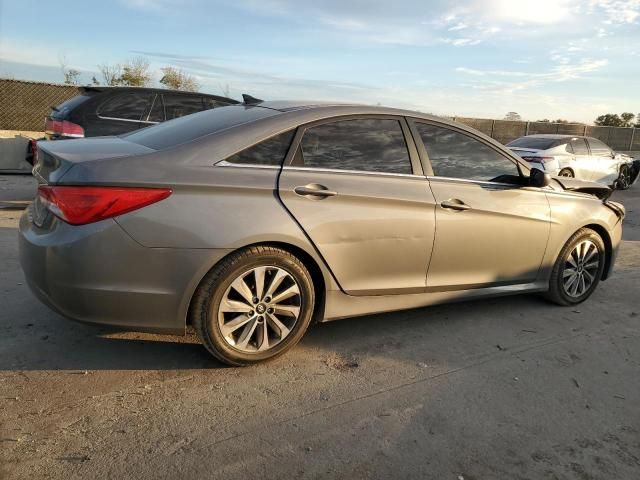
[566,172]
[578,269]
[253,306]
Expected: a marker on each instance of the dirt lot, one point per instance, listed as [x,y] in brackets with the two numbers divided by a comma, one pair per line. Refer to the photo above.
[510,388]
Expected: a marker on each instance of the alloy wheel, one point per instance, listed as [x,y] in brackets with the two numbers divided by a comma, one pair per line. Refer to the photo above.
[624,179]
[566,173]
[259,309]
[580,269]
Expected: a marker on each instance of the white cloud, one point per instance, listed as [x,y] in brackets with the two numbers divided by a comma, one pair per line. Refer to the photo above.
[493,80]
[616,11]
[458,26]
[461,42]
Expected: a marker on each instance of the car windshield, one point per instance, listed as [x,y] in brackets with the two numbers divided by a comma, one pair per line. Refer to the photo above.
[537,143]
[191,127]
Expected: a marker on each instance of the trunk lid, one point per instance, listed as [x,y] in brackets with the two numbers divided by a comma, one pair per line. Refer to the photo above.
[56,158]
[525,151]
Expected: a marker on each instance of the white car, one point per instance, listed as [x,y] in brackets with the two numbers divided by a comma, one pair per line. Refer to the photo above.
[585,158]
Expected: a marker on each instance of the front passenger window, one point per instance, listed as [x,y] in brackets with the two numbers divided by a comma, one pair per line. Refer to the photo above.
[456,155]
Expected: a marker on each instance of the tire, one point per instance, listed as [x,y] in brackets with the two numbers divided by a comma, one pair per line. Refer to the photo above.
[243,342]
[563,269]
[624,178]
[566,172]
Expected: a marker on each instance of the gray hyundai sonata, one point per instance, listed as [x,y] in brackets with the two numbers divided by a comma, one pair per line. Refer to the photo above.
[250,222]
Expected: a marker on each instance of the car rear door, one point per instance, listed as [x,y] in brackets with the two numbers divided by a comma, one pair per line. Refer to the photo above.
[490,230]
[356,187]
[584,164]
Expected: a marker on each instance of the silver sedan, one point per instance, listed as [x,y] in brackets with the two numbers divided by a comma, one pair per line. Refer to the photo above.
[250,222]
[585,158]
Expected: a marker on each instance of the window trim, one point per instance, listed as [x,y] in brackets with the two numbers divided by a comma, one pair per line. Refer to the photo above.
[414,160]
[413,121]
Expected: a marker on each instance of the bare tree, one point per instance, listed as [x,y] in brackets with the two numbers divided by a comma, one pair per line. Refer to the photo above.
[178,80]
[111,74]
[135,72]
[225,89]
[71,75]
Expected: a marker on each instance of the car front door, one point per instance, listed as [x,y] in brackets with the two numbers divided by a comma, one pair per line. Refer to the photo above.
[356,187]
[490,230]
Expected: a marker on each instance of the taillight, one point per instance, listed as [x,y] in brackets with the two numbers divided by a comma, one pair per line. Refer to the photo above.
[538,159]
[82,205]
[64,128]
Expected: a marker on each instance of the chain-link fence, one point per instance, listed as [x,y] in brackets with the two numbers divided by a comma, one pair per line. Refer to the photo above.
[23,105]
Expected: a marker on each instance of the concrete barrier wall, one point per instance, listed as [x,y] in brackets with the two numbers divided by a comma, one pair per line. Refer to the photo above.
[618,138]
[13,149]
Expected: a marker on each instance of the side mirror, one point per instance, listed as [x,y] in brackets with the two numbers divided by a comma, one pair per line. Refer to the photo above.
[537,178]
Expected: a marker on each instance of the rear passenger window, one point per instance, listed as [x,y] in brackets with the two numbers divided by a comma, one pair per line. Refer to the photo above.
[126,106]
[455,155]
[268,152]
[369,145]
[180,105]
[579,146]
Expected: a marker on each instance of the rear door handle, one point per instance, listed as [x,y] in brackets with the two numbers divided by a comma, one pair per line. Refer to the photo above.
[314,190]
[455,204]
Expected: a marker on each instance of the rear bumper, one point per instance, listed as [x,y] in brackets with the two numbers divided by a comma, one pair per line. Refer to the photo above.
[97,274]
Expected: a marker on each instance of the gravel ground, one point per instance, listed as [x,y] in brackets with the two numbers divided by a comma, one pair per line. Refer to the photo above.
[510,388]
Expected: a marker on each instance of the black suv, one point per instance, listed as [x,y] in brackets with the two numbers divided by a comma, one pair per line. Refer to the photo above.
[99,111]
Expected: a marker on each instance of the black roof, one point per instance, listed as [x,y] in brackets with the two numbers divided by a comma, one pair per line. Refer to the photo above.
[106,88]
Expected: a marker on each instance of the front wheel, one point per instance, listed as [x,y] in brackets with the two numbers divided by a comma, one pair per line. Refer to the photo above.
[624,178]
[566,172]
[255,305]
[578,269]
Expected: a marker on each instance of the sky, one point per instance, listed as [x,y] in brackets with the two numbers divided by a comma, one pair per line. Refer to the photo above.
[477,58]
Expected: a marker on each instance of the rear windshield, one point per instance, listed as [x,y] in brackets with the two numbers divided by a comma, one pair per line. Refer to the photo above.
[537,143]
[67,106]
[191,127]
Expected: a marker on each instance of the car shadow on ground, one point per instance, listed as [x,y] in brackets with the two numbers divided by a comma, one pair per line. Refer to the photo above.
[46,341]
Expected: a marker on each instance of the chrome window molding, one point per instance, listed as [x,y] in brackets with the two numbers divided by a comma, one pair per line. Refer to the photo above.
[224,163]
[125,120]
[466,180]
[353,172]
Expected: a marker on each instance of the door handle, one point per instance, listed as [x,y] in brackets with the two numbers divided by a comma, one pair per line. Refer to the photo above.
[314,190]
[455,204]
